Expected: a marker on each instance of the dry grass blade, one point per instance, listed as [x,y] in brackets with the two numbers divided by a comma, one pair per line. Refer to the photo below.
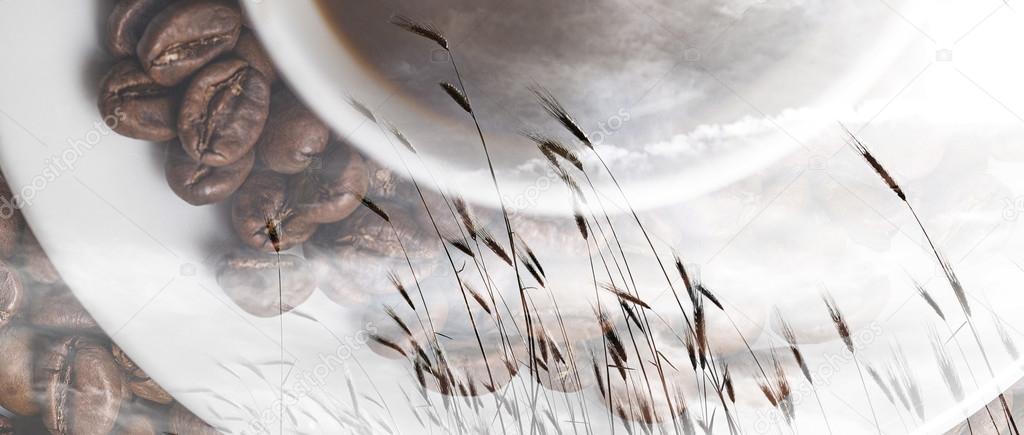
[710,296]
[362,109]
[557,111]
[690,291]
[897,389]
[461,246]
[701,332]
[615,345]
[624,295]
[954,282]
[532,269]
[387,343]
[523,246]
[784,391]
[929,300]
[727,382]
[468,221]
[571,183]
[875,164]
[477,297]
[1008,343]
[631,315]
[881,384]
[908,382]
[402,139]
[598,376]
[397,283]
[494,246]
[375,209]
[549,146]
[457,95]
[794,347]
[768,393]
[398,321]
[581,222]
[947,368]
[691,350]
[425,30]
[842,328]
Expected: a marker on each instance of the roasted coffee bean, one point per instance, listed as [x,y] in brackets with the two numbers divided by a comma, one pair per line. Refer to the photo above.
[127,22]
[18,392]
[293,136]
[56,308]
[6,426]
[12,294]
[33,263]
[264,284]
[138,381]
[11,221]
[385,184]
[83,387]
[332,191]
[185,36]
[133,105]
[264,218]
[184,422]
[200,184]
[138,417]
[250,50]
[353,258]
[223,112]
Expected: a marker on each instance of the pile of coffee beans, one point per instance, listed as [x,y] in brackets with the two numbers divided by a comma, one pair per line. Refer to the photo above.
[192,75]
[59,373]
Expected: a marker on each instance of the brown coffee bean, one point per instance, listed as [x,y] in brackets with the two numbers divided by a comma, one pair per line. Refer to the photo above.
[250,50]
[12,294]
[353,258]
[264,218]
[18,392]
[11,221]
[293,136]
[184,422]
[185,36]
[29,426]
[137,417]
[331,192]
[385,184]
[138,381]
[200,184]
[83,387]
[133,105]
[127,22]
[33,263]
[6,426]
[223,112]
[264,284]
[56,308]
